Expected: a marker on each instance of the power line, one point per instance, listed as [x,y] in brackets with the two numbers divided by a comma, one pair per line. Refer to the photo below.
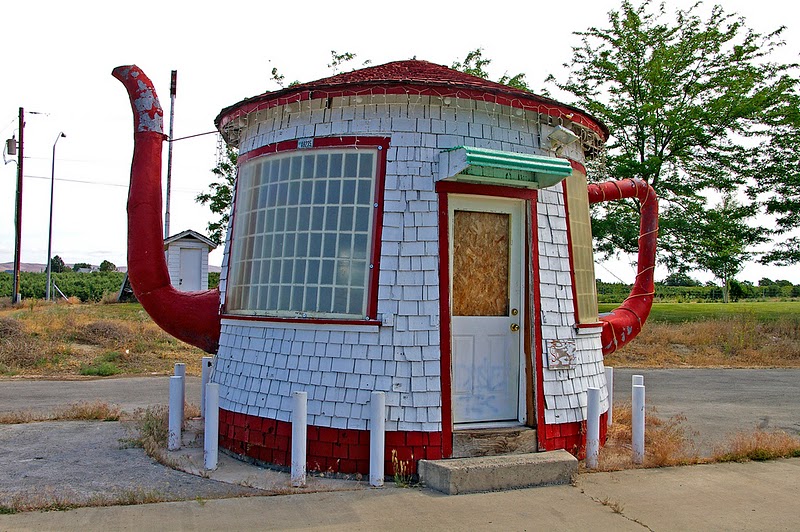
[123,185]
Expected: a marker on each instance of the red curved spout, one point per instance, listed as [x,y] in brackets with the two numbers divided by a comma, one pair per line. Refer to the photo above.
[189,316]
[623,323]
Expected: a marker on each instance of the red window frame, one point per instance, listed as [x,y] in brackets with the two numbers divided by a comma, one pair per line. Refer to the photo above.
[316,143]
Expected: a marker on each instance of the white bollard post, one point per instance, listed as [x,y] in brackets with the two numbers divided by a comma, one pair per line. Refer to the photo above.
[180,371]
[377,438]
[592,427]
[299,436]
[175,412]
[211,429]
[610,386]
[205,373]
[637,423]
[637,380]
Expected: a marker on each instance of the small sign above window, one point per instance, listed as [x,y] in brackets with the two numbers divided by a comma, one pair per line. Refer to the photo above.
[304,144]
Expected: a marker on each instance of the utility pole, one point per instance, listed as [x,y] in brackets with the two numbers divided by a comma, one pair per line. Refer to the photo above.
[15,295]
[172,91]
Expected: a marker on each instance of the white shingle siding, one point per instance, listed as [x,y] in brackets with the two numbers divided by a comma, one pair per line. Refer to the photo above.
[260,364]
[565,390]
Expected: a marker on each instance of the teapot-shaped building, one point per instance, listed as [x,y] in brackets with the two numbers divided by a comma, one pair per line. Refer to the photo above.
[403,228]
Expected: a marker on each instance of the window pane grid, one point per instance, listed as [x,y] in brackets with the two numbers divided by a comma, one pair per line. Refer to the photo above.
[301,233]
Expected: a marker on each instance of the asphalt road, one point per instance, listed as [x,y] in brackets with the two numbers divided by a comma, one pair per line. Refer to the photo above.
[127,393]
[719,402]
[716,402]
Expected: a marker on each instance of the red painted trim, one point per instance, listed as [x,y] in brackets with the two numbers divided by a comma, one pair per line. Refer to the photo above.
[578,166]
[382,146]
[443,189]
[445,328]
[319,143]
[331,450]
[377,232]
[537,328]
[530,335]
[428,89]
[589,325]
[477,189]
[312,321]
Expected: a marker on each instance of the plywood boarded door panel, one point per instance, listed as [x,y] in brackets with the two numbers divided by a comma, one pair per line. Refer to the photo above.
[486,241]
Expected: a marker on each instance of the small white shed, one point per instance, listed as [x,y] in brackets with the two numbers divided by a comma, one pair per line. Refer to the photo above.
[187,260]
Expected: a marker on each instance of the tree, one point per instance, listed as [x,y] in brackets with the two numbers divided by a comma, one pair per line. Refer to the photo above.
[81,265]
[777,179]
[683,99]
[220,196]
[723,241]
[108,266]
[680,279]
[57,265]
[474,64]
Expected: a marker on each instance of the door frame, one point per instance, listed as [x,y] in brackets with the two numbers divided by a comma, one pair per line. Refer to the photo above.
[530,386]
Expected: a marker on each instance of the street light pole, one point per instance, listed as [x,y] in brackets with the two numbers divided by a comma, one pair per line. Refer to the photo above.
[50,234]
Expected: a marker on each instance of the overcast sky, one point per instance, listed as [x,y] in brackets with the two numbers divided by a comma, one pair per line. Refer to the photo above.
[58,56]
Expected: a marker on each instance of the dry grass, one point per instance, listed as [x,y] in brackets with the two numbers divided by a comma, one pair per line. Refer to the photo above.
[740,341]
[758,445]
[60,339]
[52,500]
[82,411]
[669,443]
[152,426]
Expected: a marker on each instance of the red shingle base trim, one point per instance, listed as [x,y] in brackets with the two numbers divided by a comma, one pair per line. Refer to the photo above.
[328,450]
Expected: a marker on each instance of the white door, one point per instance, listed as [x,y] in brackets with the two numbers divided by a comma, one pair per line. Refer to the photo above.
[486,258]
[191,269]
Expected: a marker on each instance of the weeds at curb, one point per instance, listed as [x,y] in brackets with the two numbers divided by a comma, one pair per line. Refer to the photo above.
[81,411]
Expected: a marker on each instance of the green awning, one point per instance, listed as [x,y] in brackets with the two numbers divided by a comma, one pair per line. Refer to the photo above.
[465,163]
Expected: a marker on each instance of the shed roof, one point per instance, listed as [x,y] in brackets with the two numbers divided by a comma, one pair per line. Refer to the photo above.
[411,76]
[189,234]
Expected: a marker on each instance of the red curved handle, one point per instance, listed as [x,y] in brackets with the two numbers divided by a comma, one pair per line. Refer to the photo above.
[623,323]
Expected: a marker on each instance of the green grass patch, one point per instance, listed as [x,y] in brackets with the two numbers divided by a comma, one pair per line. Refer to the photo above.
[762,311]
[103,366]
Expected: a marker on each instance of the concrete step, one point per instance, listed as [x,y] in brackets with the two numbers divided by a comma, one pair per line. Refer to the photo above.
[497,473]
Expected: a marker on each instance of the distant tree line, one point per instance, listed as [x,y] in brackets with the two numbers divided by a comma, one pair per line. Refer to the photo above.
[57,265]
[88,287]
[85,286]
[682,288]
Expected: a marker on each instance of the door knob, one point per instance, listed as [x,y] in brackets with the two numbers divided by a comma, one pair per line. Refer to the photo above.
[514,327]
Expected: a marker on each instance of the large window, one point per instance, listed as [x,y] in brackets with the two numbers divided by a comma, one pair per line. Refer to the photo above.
[580,225]
[302,234]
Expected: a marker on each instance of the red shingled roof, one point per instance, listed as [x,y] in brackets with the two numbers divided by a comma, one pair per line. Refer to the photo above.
[413,76]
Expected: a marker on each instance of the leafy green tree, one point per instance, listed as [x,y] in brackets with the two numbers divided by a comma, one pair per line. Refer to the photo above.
[683,98]
[680,279]
[79,265]
[474,64]
[108,266]
[723,241]
[220,196]
[776,172]
[57,265]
